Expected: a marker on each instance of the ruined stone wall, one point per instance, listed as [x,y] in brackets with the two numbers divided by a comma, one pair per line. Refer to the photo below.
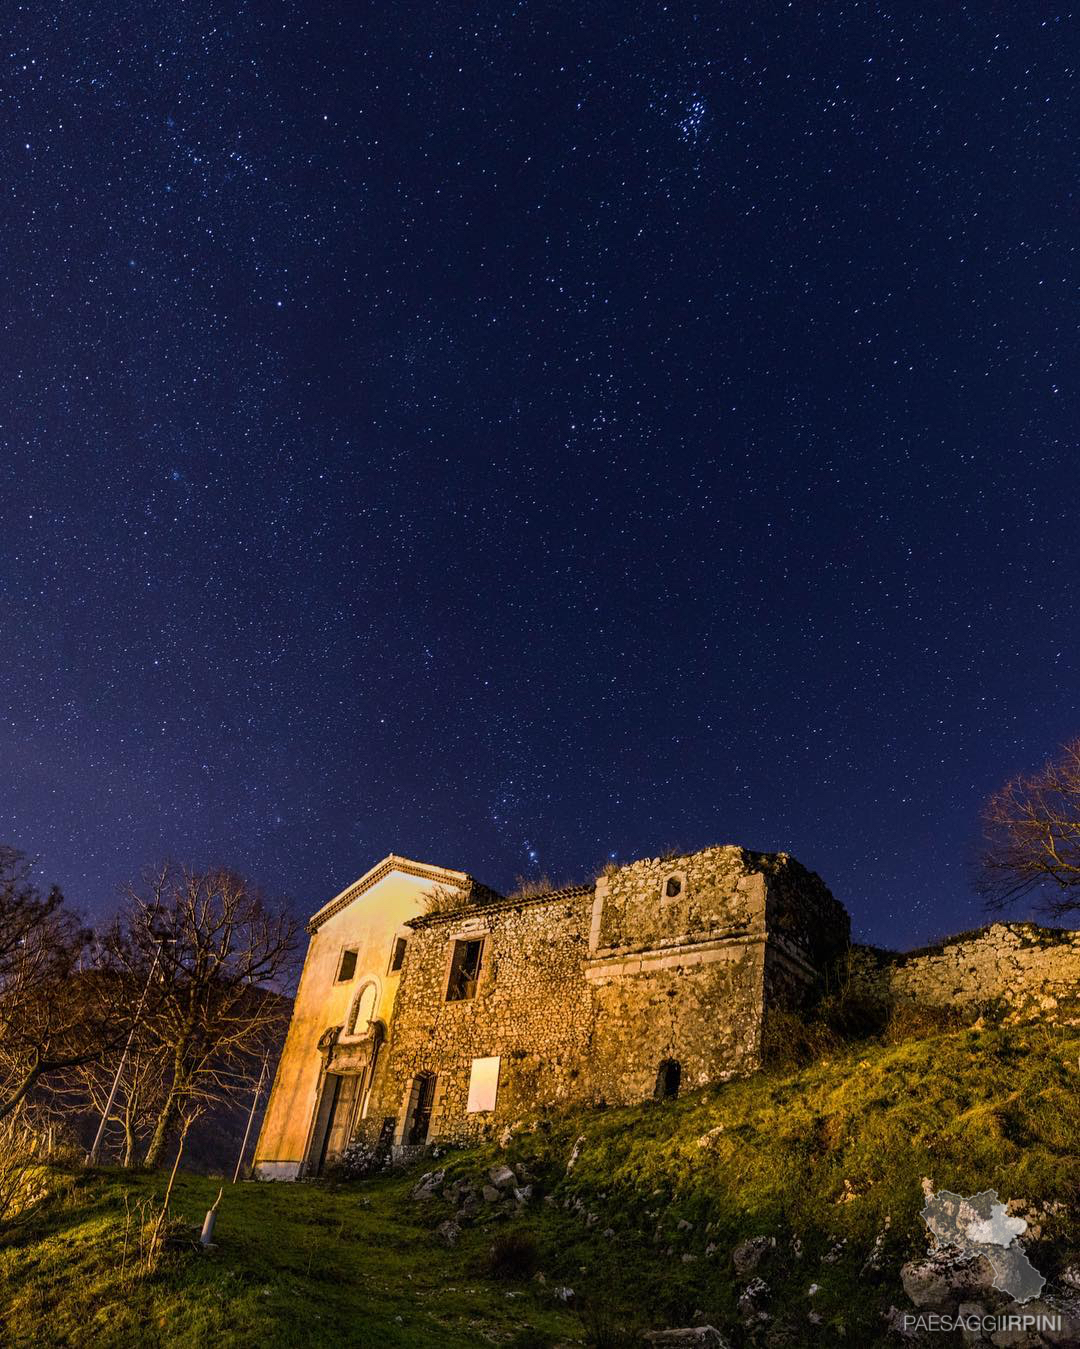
[532,1007]
[801,916]
[586,995]
[721,894]
[1019,964]
[677,964]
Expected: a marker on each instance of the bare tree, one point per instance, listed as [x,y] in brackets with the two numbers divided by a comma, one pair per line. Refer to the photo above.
[140,1095]
[55,1011]
[213,1008]
[1032,833]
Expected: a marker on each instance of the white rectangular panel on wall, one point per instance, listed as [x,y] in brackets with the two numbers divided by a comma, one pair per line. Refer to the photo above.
[483,1085]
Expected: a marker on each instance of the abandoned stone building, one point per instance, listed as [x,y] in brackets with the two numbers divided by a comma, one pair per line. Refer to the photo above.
[417,1023]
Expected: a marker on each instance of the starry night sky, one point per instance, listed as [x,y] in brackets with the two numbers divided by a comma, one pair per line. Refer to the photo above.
[516,435]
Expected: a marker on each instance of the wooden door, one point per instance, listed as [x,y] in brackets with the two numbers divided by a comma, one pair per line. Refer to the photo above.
[342,1113]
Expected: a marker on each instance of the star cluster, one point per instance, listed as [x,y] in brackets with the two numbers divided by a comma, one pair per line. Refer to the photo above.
[528,435]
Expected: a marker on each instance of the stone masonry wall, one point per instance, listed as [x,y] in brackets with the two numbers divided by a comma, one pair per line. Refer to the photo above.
[1019,964]
[721,895]
[677,976]
[532,1007]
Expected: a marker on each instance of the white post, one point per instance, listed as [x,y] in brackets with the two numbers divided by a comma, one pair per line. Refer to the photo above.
[247,1131]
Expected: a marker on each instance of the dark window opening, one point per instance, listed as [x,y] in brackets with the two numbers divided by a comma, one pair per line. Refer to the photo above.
[419,1119]
[398,956]
[667,1080]
[464,970]
[347,968]
[673,887]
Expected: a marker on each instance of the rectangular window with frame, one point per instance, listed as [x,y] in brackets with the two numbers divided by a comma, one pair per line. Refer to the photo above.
[464,969]
[347,968]
[397,956]
[483,1085]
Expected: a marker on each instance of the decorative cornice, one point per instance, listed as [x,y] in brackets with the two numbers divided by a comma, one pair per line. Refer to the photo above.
[392,862]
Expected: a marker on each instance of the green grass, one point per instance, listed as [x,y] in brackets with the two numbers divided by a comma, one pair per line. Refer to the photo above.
[360,1264]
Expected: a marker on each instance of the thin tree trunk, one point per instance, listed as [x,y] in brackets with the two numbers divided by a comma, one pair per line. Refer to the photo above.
[129,1142]
[162,1128]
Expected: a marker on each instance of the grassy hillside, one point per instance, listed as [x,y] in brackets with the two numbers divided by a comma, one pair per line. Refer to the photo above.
[827,1160]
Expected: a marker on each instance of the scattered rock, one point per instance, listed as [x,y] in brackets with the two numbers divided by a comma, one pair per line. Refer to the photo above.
[523,1193]
[683,1225]
[710,1139]
[564,1294]
[1070,1276]
[502,1176]
[491,1194]
[428,1185]
[575,1152]
[748,1254]
[751,1298]
[449,1231]
[877,1251]
[898,1323]
[946,1278]
[690,1337]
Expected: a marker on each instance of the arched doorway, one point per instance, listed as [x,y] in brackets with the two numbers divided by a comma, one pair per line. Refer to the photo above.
[668,1077]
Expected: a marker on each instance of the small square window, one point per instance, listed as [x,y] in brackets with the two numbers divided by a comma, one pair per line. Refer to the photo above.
[464,970]
[397,956]
[673,887]
[347,968]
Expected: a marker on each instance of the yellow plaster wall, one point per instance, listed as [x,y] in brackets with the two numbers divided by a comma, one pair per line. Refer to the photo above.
[370,924]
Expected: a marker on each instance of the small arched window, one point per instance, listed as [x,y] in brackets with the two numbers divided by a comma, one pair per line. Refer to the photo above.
[363,1010]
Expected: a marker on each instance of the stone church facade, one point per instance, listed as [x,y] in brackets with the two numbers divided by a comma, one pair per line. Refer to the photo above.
[414,1027]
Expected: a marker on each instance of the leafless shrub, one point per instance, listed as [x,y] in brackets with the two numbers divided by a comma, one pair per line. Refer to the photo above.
[526,887]
[57,1008]
[25,1174]
[918,1021]
[444,899]
[513,1256]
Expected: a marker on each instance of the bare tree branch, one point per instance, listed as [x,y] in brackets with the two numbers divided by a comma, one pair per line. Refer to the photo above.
[214,1006]
[1032,838]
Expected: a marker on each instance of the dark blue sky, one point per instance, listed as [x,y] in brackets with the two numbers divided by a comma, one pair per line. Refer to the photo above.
[521,434]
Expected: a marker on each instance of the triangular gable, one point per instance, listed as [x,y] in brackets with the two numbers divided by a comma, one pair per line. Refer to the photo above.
[391,863]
